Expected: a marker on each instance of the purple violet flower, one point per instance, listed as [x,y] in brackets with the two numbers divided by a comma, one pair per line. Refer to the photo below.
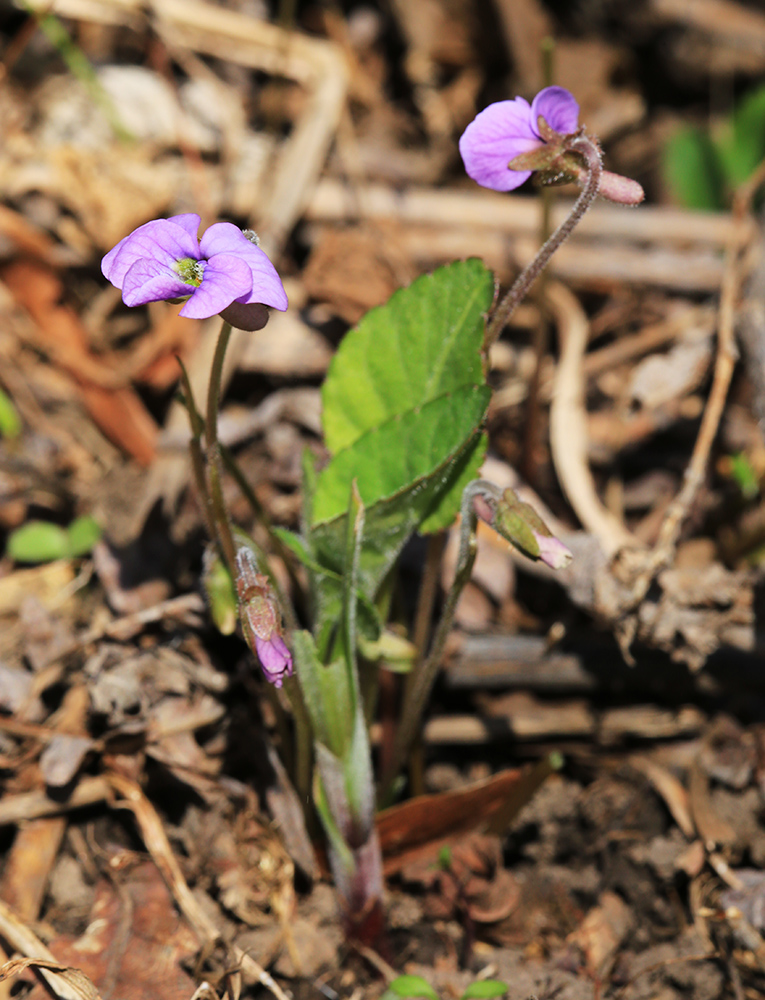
[224,272]
[509,129]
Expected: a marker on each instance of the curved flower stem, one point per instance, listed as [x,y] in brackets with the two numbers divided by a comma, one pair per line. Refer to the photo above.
[589,150]
[421,687]
[214,462]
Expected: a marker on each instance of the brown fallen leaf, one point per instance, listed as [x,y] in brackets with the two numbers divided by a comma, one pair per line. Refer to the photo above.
[471,880]
[670,789]
[601,933]
[80,984]
[58,331]
[123,419]
[134,942]
[422,825]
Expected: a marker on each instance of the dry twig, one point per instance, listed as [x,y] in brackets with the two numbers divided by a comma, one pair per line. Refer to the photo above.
[568,428]
[664,549]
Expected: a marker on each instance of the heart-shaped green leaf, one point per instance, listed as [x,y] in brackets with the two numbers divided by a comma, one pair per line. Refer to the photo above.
[424,343]
[404,404]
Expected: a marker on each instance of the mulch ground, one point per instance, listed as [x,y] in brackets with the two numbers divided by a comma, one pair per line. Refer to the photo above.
[584,814]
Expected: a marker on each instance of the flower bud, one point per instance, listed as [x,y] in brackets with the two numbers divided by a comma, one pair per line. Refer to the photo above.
[520,524]
[261,619]
[622,190]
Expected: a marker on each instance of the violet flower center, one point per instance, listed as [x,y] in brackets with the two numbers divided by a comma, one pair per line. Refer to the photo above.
[190,271]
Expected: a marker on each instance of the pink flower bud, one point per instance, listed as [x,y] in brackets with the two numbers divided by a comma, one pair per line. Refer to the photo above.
[622,190]
[552,552]
[261,619]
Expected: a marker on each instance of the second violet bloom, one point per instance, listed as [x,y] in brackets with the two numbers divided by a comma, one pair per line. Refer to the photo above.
[508,129]
[224,272]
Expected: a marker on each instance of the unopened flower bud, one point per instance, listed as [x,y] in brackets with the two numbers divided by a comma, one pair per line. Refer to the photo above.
[622,190]
[261,619]
[520,524]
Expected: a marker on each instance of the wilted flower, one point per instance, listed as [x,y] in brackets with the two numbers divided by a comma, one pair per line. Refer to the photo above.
[261,619]
[509,129]
[224,272]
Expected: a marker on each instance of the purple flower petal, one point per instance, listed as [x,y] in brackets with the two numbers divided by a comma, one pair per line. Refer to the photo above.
[223,237]
[497,135]
[161,240]
[558,108]
[226,278]
[552,551]
[189,221]
[275,658]
[151,280]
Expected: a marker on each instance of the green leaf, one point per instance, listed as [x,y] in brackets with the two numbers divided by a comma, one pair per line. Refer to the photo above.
[693,171]
[43,541]
[483,989]
[407,450]
[390,522]
[741,145]
[424,343]
[328,696]
[411,986]
[359,778]
[403,408]
[339,850]
[355,533]
[10,421]
[220,591]
[83,533]
[392,651]
[37,542]
[328,588]
[744,475]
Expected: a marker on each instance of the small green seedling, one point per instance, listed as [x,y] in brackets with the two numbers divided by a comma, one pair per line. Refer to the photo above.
[43,541]
[415,986]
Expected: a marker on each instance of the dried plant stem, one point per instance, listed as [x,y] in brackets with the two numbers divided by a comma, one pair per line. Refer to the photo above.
[723,372]
[591,153]
[214,462]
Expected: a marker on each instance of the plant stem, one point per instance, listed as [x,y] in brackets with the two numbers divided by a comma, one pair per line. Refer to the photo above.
[420,635]
[195,450]
[426,675]
[303,753]
[540,344]
[588,149]
[261,514]
[214,463]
